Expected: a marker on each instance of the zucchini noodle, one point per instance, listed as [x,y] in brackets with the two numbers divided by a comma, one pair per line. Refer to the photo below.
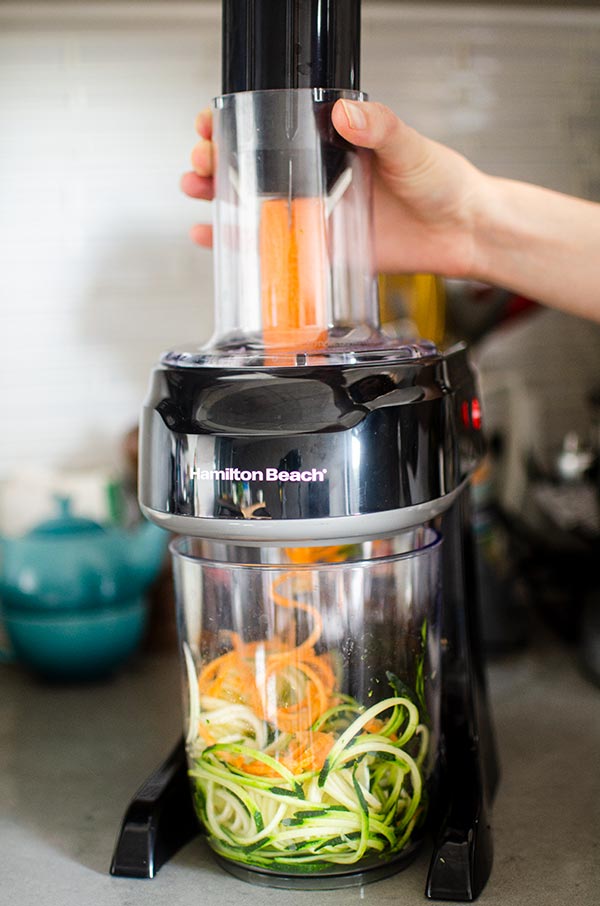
[291,775]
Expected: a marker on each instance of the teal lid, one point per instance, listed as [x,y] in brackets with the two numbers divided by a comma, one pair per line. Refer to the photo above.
[66,523]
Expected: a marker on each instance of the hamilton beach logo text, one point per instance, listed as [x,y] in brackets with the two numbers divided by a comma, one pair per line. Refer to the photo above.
[279,475]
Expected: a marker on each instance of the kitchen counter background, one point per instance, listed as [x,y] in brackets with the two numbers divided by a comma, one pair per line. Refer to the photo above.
[71,757]
[97,105]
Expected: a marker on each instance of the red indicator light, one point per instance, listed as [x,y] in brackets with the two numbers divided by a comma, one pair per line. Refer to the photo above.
[476,414]
[464,411]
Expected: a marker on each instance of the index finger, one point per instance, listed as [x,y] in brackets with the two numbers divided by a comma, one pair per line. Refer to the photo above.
[204,123]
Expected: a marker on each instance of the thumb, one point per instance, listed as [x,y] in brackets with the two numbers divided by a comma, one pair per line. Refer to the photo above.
[401,151]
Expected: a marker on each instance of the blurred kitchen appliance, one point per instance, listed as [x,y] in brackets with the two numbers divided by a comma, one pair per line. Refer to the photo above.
[318,471]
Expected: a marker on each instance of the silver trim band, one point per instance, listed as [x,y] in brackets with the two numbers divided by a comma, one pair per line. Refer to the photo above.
[330,530]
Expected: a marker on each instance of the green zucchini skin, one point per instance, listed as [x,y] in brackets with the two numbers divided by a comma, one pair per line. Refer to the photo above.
[366,804]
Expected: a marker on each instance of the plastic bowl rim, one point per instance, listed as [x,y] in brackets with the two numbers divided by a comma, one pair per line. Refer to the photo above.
[211,562]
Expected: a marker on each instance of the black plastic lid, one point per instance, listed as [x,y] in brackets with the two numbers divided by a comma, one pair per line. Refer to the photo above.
[291,44]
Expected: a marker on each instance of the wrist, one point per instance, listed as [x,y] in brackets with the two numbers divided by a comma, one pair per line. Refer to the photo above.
[488,222]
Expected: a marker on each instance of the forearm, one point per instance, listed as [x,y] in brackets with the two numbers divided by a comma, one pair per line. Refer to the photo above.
[540,243]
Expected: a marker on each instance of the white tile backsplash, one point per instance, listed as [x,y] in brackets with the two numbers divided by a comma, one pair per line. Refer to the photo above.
[97,103]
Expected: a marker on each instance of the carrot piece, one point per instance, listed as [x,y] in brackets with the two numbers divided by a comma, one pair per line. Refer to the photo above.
[315,554]
[294,271]
[309,676]
[282,601]
[307,751]
[205,734]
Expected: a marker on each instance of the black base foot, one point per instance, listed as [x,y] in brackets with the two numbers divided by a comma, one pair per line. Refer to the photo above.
[159,821]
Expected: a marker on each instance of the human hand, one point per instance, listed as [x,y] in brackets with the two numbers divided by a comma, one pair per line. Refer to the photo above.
[199,183]
[434,212]
[426,196]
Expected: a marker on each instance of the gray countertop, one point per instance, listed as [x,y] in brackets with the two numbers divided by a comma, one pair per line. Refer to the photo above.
[72,756]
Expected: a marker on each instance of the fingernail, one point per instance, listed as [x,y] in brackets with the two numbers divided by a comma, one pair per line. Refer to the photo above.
[356,116]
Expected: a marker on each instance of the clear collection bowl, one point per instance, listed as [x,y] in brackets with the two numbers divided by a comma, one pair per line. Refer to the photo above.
[312,698]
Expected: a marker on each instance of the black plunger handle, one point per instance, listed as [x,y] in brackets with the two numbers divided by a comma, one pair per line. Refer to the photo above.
[270,44]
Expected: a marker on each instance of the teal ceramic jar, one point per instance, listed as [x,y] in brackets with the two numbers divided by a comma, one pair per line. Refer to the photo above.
[72,594]
[70,563]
